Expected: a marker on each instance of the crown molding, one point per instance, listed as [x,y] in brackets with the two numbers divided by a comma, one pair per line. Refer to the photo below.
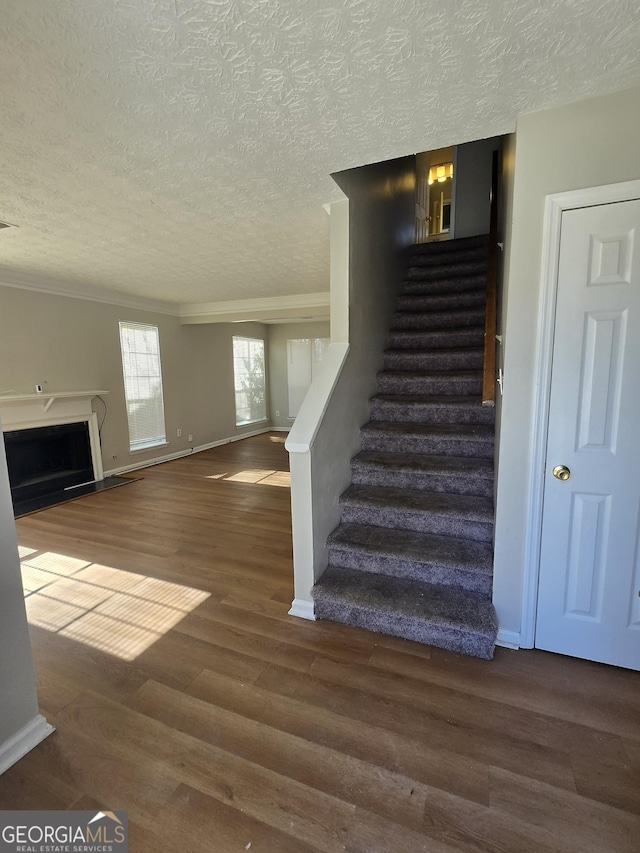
[303,306]
[88,292]
[299,307]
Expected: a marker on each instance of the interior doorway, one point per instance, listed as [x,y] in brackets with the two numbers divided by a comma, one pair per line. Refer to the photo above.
[435,173]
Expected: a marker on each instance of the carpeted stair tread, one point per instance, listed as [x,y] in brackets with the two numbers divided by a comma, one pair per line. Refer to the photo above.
[418,556]
[466,516]
[459,358]
[447,271]
[462,336]
[425,320]
[442,382]
[442,301]
[454,619]
[451,465]
[430,409]
[419,471]
[474,440]
[417,285]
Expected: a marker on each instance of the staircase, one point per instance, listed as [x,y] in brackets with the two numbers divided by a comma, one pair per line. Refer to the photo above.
[413,555]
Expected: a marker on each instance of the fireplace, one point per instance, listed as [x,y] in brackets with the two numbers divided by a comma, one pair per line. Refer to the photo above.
[48,459]
[53,447]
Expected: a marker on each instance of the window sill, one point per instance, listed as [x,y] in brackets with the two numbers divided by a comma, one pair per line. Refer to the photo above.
[149,447]
[252,423]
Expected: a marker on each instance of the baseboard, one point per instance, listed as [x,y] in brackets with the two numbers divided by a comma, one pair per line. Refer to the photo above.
[302,609]
[168,457]
[508,639]
[280,429]
[24,741]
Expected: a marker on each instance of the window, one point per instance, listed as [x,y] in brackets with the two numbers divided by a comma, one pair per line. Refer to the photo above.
[140,345]
[303,357]
[249,373]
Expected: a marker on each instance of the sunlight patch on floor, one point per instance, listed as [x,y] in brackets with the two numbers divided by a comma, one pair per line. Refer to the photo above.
[256,476]
[118,612]
[25,552]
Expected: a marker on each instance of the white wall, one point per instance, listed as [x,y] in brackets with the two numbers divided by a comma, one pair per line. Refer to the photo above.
[18,700]
[590,143]
[73,344]
[278,335]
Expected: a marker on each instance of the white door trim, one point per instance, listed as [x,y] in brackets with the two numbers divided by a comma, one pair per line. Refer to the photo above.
[555,205]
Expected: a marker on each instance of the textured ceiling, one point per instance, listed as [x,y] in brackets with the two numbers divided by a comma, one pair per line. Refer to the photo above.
[181,149]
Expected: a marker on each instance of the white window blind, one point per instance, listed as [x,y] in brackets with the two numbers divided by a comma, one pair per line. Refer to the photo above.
[140,345]
[303,358]
[249,380]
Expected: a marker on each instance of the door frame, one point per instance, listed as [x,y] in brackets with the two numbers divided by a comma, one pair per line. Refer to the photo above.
[555,206]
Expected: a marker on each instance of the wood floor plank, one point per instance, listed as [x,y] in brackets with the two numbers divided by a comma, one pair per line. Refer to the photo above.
[492,717]
[236,724]
[585,826]
[612,779]
[21,789]
[84,666]
[95,767]
[176,659]
[397,752]
[212,826]
[310,815]
[247,643]
[605,715]
[352,780]
[316,638]
[478,743]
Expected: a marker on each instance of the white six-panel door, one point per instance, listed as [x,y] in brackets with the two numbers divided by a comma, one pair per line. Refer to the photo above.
[589,582]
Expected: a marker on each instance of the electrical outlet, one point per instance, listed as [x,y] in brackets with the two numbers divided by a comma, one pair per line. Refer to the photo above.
[190,437]
[179,432]
[277,414]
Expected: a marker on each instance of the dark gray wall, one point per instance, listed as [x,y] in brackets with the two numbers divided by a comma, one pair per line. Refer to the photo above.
[381,224]
[473,186]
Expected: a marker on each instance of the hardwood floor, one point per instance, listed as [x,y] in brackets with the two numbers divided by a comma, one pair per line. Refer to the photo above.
[182,691]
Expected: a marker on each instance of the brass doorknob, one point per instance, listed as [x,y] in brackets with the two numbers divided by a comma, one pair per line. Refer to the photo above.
[561,472]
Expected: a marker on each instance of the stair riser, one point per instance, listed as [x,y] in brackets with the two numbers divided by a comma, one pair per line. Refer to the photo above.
[438,320]
[442,386]
[434,360]
[352,558]
[442,302]
[426,413]
[406,519]
[465,256]
[410,629]
[430,446]
[444,285]
[439,272]
[447,339]
[459,484]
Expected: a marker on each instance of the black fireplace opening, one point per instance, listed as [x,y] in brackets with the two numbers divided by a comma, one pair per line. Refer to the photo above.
[48,459]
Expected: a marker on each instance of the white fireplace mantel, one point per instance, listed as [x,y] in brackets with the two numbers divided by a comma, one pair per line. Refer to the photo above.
[23,411]
[51,408]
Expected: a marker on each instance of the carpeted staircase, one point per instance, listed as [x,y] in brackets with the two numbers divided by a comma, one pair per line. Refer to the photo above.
[413,553]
